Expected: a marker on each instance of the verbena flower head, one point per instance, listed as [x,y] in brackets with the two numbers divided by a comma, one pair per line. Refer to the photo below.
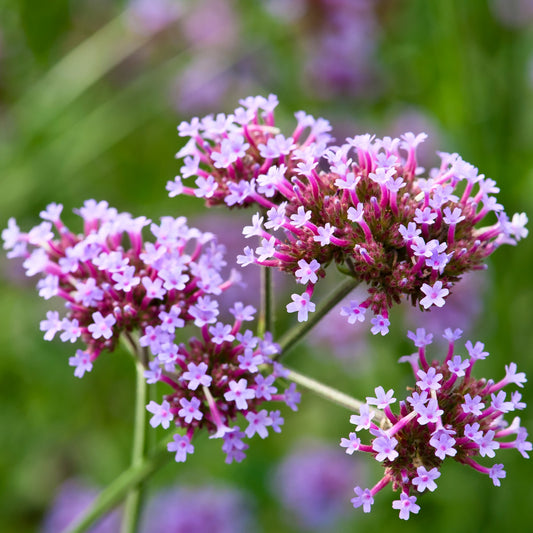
[111,280]
[449,414]
[365,205]
[216,383]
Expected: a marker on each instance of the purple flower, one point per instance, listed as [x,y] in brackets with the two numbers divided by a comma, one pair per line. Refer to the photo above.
[382,398]
[82,362]
[496,473]
[239,393]
[384,446]
[351,444]
[443,444]
[101,327]
[162,414]
[363,498]
[182,446]
[354,312]
[473,405]
[429,380]
[189,410]
[301,305]
[406,504]
[307,271]
[425,479]
[51,325]
[380,324]
[347,211]
[434,295]
[428,413]
[363,419]
[258,423]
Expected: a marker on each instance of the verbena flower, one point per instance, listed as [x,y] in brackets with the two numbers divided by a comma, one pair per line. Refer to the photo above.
[449,414]
[364,205]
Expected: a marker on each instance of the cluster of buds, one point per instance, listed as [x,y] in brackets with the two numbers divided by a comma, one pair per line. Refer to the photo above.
[363,205]
[154,290]
[448,414]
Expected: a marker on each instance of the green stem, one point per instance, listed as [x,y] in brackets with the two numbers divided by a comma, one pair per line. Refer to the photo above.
[331,394]
[291,337]
[133,501]
[265,314]
[115,493]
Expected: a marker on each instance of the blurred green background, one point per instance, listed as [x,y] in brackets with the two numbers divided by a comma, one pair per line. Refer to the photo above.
[90,96]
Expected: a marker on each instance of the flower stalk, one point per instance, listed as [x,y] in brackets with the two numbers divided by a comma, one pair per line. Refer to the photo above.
[331,394]
[134,498]
[295,334]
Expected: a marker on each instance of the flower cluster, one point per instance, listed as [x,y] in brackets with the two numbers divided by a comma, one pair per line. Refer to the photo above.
[110,287]
[214,378]
[241,158]
[158,290]
[363,205]
[448,414]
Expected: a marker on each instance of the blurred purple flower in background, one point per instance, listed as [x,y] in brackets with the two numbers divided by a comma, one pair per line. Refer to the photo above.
[205,509]
[212,24]
[73,499]
[513,13]
[340,52]
[337,40]
[151,16]
[208,509]
[312,483]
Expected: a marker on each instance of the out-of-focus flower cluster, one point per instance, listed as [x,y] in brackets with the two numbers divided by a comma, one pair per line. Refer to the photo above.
[364,205]
[314,482]
[114,283]
[449,414]
[71,502]
[202,509]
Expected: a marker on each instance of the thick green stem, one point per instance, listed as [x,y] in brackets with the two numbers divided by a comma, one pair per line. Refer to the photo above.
[331,394]
[133,500]
[291,337]
[115,493]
